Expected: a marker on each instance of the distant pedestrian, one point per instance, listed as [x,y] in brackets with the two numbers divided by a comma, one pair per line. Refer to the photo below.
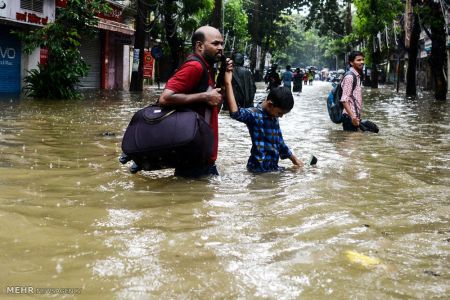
[272,78]
[244,87]
[298,80]
[310,77]
[287,76]
[305,78]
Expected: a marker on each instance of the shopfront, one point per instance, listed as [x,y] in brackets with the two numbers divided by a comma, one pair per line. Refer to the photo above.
[20,16]
[10,62]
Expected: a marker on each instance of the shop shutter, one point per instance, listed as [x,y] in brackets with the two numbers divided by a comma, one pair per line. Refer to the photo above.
[91,53]
[34,5]
[10,60]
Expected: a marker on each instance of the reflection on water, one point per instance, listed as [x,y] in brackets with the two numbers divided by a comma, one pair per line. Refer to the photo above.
[72,216]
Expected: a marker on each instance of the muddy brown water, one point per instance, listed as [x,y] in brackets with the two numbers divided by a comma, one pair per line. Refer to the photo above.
[370,221]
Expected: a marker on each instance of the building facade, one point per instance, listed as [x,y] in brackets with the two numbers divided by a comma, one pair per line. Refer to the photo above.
[20,15]
[107,54]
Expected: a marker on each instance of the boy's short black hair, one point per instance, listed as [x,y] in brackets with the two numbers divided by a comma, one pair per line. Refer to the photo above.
[354,54]
[281,97]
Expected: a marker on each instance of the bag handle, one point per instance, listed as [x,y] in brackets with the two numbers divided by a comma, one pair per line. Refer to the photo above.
[159,119]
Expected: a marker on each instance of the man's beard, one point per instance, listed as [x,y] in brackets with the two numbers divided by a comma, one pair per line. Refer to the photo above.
[211,59]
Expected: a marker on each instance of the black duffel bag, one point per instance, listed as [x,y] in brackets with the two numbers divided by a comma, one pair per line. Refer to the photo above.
[366,125]
[160,138]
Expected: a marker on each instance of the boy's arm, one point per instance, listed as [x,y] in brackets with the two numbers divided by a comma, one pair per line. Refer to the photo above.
[241,115]
[232,106]
[286,153]
[355,120]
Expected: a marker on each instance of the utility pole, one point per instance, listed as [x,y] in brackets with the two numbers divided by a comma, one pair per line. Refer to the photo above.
[137,75]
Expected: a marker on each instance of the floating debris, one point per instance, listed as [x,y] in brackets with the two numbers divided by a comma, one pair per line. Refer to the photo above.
[429,272]
[362,259]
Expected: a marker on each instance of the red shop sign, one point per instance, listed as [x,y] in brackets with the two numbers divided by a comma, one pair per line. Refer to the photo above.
[61,3]
[148,64]
[43,56]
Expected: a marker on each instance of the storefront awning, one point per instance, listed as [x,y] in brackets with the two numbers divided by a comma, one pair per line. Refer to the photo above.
[114,26]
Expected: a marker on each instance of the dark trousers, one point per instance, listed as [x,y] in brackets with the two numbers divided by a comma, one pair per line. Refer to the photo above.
[196,172]
[347,124]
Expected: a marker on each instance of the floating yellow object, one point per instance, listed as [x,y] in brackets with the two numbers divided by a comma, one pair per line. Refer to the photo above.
[362,259]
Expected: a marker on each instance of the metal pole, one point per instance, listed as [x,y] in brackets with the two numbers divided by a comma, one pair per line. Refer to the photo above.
[223,16]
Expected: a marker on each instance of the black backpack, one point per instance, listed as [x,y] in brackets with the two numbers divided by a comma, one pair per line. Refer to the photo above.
[334,105]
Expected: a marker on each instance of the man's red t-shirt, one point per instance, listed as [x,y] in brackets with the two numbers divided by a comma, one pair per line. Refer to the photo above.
[185,81]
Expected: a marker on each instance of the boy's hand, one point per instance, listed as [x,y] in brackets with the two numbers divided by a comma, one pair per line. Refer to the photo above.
[296,161]
[355,121]
[229,72]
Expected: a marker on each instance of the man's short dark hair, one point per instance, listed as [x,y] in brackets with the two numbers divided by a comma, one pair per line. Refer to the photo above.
[281,97]
[354,54]
[197,36]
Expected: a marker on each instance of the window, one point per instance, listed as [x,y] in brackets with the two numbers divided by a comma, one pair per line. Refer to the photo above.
[34,5]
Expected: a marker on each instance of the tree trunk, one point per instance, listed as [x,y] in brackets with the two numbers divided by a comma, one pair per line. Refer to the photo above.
[137,77]
[375,53]
[255,37]
[170,27]
[412,58]
[438,57]
[264,51]
[216,20]
[374,69]
[348,18]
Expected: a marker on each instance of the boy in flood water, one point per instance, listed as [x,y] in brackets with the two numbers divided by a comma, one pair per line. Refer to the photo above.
[262,122]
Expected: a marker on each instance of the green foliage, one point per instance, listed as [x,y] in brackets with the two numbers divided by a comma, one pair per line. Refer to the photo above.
[372,16]
[57,79]
[327,17]
[236,22]
[305,47]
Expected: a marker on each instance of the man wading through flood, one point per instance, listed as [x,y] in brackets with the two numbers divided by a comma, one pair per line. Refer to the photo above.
[186,89]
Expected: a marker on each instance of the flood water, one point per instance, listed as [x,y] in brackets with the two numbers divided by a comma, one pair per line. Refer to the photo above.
[369,221]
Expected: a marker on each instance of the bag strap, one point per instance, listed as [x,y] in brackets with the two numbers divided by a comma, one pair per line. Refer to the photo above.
[204,84]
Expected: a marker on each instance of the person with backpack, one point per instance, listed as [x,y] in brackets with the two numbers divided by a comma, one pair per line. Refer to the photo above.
[287,76]
[351,98]
[193,87]
[244,87]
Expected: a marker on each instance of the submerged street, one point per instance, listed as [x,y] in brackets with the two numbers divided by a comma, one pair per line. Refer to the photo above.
[370,220]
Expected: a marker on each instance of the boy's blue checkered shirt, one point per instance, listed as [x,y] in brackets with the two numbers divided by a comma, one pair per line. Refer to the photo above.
[267,141]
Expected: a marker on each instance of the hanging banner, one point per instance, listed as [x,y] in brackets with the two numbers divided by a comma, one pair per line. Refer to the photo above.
[149,62]
[135,60]
[258,57]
